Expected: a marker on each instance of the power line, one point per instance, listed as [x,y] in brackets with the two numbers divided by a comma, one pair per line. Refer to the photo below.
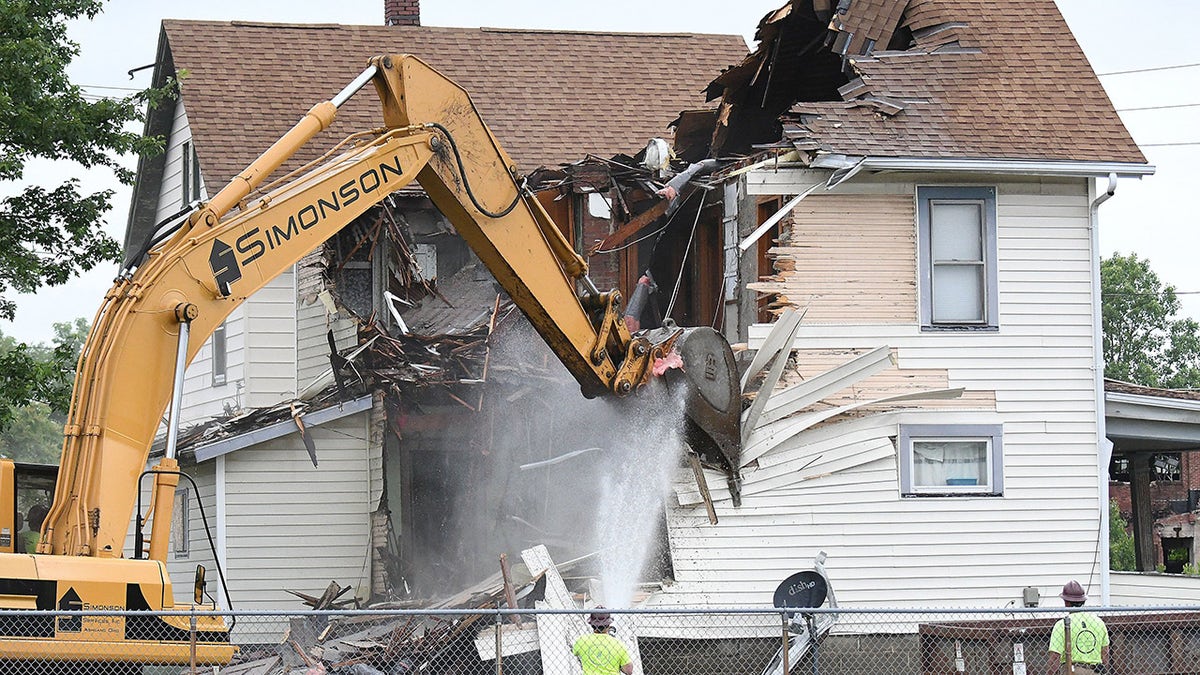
[1168,145]
[104,86]
[1160,107]
[1151,295]
[1148,70]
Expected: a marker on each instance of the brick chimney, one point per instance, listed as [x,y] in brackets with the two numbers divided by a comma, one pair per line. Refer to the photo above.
[402,12]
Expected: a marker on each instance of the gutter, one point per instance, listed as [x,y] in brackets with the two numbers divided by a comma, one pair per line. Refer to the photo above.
[1153,401]
[1103,445]
[993,166]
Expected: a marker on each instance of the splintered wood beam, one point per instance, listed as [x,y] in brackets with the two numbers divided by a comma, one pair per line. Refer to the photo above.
[702,484]
[510,596]
[633,226]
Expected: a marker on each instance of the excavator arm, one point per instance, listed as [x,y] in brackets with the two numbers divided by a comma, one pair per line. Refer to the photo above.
[192,275]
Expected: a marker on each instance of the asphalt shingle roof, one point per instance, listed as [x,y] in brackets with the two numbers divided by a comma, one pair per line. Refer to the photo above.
[550,97]
[977,79]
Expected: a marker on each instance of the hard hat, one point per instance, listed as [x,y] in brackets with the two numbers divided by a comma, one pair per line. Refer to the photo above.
[1073,592]
[600,619]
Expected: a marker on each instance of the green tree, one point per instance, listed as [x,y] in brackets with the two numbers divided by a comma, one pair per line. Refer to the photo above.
[1121,555]
[33,429]
[49,234]
[1143,341]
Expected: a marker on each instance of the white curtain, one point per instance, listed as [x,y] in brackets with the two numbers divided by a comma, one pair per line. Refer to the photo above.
[950,463]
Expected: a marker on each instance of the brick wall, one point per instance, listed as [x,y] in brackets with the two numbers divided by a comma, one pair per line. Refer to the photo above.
[604,268]
[402,12]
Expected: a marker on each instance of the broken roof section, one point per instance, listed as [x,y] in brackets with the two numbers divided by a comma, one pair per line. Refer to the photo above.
[919,78]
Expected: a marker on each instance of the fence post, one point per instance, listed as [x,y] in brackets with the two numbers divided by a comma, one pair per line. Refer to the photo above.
[499,640]
[1069,657]
[787,668]
[192,638]
[812,641]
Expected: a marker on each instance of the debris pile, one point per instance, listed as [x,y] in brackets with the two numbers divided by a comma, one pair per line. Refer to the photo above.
[407,363]
[364,644]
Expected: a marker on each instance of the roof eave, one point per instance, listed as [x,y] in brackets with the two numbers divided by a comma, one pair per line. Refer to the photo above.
[1008,166]
[207,451]
[1144,402]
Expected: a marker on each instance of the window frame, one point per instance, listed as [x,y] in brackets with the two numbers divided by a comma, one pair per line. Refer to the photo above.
[189,173]
[993,433]
[181,536]
[985,196]
[220,356]
[185,167]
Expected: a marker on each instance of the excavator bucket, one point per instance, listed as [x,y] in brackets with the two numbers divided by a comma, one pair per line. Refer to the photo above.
[713,402]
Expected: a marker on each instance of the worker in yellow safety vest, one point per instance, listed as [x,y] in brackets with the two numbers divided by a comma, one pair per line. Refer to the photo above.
[599,652]
[1080,642]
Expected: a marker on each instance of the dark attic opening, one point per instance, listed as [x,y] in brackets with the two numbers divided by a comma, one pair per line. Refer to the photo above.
[805,54]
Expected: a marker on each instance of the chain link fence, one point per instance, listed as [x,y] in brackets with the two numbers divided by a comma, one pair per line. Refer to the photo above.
[654,642]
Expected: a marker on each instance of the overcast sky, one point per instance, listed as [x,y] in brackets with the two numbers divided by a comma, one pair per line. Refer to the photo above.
[1153,217]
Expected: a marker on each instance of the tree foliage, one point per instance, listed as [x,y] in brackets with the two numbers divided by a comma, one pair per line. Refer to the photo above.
[1121,554]
[50,233]
[1143,341]
[32,418]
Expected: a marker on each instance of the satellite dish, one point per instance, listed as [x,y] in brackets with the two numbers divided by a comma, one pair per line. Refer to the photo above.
[804,590]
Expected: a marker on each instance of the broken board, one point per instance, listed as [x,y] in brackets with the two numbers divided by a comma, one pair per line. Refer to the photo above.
[514,640]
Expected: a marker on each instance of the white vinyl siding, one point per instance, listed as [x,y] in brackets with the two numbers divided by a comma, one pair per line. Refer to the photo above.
[293,526]
[202,398]
[170,192]
[271,342]
[888,551]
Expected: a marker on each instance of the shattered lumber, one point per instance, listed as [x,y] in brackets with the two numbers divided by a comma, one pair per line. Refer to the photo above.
[373,645]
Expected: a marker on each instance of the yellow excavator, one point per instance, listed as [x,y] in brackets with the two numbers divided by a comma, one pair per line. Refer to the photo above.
[194,271]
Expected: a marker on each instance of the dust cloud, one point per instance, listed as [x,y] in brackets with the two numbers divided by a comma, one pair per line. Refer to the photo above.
[540,464]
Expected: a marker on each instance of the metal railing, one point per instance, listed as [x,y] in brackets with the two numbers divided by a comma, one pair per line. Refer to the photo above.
[768,641]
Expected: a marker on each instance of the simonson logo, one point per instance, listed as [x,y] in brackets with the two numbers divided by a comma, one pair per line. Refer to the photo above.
[227,261]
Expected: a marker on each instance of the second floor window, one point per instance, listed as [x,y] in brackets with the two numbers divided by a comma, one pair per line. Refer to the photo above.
[957,252]
[220,352]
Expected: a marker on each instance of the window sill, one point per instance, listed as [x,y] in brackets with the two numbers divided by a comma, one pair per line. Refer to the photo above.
[960,329]
[922,495]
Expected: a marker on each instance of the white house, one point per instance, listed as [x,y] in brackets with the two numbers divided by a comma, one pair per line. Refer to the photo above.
[938,204]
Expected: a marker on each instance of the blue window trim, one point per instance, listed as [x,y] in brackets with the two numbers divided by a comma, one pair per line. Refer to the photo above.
[909,432]
[991,303]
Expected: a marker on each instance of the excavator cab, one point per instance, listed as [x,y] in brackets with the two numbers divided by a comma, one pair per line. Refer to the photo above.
[22,487]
